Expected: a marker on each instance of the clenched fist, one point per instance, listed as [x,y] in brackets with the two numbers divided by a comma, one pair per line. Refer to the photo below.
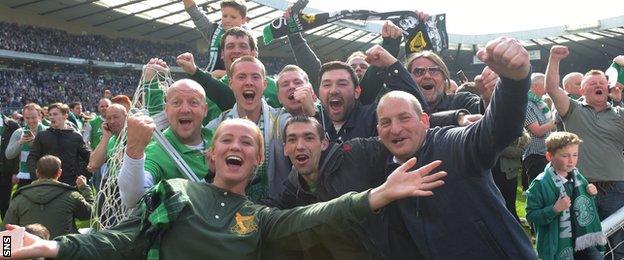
[187,62]
[506,57]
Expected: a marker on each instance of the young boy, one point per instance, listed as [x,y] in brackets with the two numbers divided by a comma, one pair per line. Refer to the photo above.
[561,206]
[233,14]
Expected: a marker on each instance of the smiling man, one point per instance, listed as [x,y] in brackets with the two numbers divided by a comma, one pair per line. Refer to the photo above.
[248,81]
[600,126]
[432,77]
[146,163]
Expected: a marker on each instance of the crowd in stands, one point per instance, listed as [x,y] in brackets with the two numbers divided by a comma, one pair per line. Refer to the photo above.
[46,84]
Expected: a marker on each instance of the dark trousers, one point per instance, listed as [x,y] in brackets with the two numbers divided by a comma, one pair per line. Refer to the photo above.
[610,198]
[507,188]
[588,254]
[532,166]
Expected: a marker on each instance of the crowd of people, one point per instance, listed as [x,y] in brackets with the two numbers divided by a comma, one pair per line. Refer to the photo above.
[368,158]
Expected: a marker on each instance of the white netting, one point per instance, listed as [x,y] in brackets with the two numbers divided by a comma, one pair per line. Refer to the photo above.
[610,225]
[108,208]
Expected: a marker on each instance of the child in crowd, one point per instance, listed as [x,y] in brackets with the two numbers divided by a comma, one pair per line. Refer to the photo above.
[561,206]
[233,14]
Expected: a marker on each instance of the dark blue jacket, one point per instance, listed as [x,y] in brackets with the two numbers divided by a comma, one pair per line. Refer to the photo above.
[466,218]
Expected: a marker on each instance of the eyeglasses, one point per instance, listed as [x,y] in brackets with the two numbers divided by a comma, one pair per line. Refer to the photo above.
[419,72]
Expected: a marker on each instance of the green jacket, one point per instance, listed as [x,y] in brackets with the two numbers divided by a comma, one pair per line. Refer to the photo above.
[50,203]
[202,221]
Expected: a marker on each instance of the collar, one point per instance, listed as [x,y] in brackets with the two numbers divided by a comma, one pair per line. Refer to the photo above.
[178,145]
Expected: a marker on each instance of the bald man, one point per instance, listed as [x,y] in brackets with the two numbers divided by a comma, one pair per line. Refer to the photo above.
[146,163]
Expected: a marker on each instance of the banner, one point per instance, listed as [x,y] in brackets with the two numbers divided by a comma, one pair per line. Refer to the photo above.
[428,35]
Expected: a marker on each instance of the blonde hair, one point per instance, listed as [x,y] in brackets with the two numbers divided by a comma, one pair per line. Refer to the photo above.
[244,122]
[558,140]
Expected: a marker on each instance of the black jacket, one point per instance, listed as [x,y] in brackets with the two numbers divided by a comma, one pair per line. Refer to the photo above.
[67,145]
[340,171]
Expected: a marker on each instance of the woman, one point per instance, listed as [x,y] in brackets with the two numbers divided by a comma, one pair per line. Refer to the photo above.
[190,220]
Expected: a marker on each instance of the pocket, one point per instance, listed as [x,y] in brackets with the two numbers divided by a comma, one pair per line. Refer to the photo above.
[487,236]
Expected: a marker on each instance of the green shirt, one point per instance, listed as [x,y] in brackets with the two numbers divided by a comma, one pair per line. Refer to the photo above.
[96,131]
[201,221]
[25,149]
[159,163]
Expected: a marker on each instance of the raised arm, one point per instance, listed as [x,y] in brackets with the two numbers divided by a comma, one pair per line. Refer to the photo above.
[201,21]
[558,95]
[217,91]
[98,156]
[133,180]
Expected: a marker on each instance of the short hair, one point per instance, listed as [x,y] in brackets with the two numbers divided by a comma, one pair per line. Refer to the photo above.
[558,140]
[60,106]
[34,106]
[246,58]
[38,230]
[72,105]
[432,56]
[357,54]
[120,107]
[306,120]
[291,67]
[535,76]
[239,32]
[339,65]
[48,165]
[592,73]
[241,121]
[122,100]
[239,5]
[397,94]
[569,76]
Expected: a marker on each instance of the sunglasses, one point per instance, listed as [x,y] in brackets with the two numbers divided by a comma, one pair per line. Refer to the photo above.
[419,72]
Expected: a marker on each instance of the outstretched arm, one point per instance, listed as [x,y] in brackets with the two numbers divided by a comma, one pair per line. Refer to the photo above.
[217,91]
[558,95]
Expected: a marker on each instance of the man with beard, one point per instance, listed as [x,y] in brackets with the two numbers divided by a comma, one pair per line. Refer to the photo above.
[599,125]
[432,77]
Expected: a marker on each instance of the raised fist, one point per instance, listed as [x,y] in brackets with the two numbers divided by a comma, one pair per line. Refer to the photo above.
[506,57]
[559,52]
[562,204]
[187,62]
[379,57]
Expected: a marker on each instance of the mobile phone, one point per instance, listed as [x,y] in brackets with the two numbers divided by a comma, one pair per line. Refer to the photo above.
[28,133]
[462,77]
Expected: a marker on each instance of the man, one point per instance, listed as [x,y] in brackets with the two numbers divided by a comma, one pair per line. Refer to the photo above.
[236,42]
[49,202]
[92,132]
[8,167]
[248,80]
[146,163]
[599,125]
[432,77]
[539,122]
[572,84]
[357,61]
[22,139]
[467,218]
[110,129]
[63,142]
[75,115]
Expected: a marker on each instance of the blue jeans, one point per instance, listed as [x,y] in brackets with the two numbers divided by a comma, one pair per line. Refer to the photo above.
[610,198]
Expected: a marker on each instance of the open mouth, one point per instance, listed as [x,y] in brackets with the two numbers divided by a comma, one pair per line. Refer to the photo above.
[398,140]
[302,158]
[234,160]
[598,92]
[427,86]
[291,96]
[249,95]
[185,121]
[335,103]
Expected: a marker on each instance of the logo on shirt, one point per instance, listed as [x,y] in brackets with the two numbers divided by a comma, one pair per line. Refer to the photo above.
[244,224]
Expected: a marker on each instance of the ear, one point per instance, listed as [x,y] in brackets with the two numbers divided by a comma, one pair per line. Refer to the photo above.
[211,156]
[324,144]
[357,91]
[549,156]
[424,118]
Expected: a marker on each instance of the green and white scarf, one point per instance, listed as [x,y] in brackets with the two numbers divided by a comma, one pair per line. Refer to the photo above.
[587,228]
[215,44]
[540,104]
